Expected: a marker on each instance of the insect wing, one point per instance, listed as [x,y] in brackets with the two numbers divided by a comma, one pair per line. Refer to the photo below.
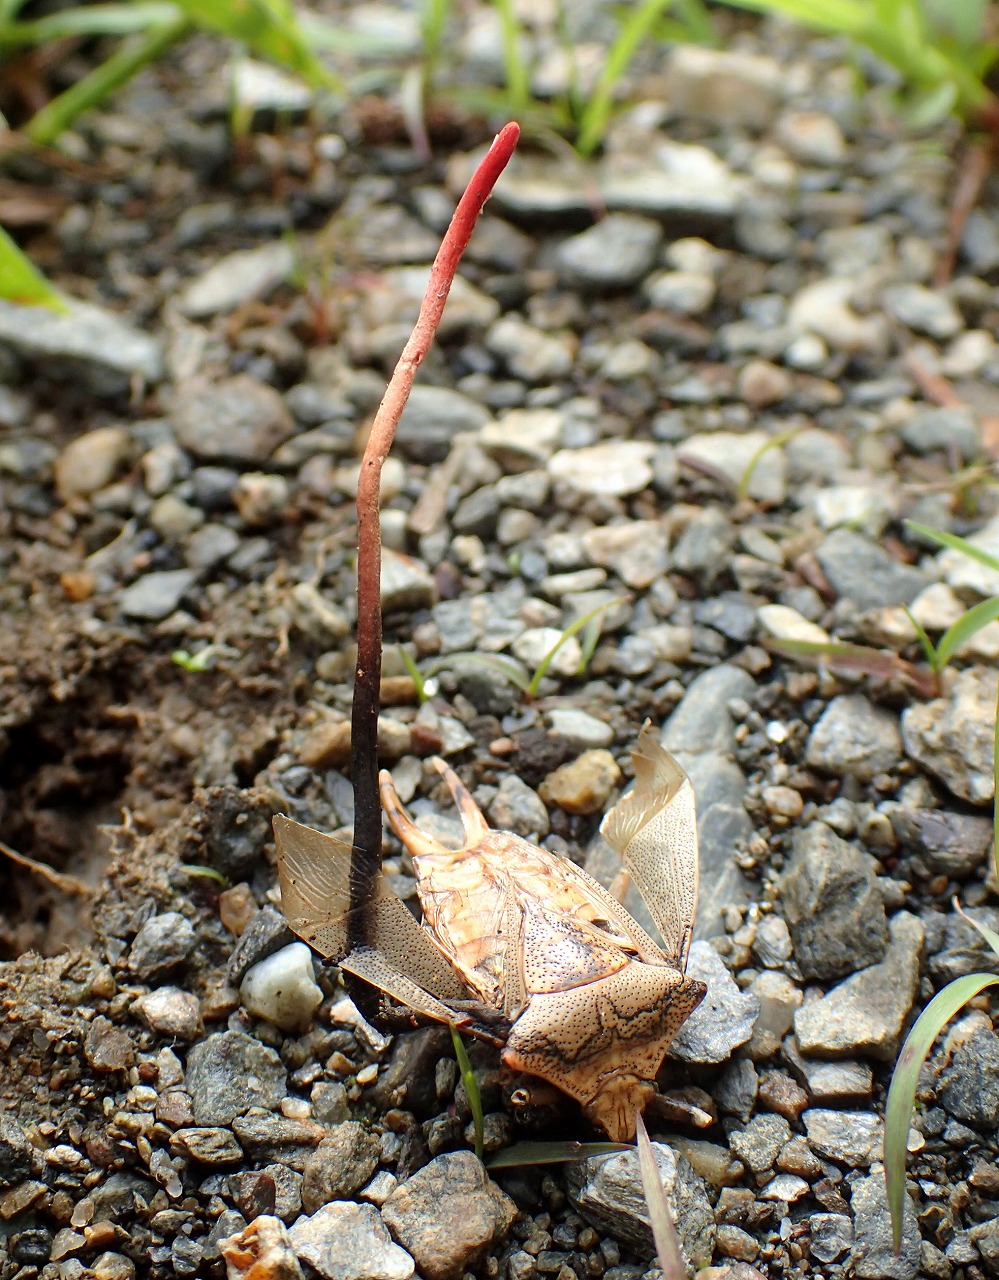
[654,830]
[314,871]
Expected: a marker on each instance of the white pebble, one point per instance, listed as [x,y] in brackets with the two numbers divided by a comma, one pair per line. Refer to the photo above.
[282,989]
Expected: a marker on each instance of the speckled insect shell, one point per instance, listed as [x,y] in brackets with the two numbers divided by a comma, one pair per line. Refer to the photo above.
[541,952]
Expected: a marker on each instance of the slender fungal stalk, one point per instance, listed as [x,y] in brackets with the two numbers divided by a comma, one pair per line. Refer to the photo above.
[366,857]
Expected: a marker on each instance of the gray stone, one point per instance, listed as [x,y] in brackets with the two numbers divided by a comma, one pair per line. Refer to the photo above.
[615,253]
[269,1138]
[944,842]
[228,1073]
[760,1143]
[613,468]
[747,458]
[236,278]
[156,595]
[688,292]
[722,87]
[210,545]
[703,549]
[340,1166]
[262,1248]
[238,420]
[865,573]
[520,441]
[580,728]
[209,1145]
[702,722]
[736,1088]
[518,808]
[953,737]
[725,1017]
[930,429]
[607,1191]
[170,1012]
[449,1215]
[90,461]
[835,1082]
[868,508]
[81,332]
[967,575]
[433,416]
[530,354]
[856,739]
[673,181]
[346,1241]
[873,1256]
[830,1236]
[924,310]
[164,942]
[812,138]
[779,997]
[854,1138]
[824,308]
[832,905]
[865,1014]
[636,550]
[406,583]
[969,1083]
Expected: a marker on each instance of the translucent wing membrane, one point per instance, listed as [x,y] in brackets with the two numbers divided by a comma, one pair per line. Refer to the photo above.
[314,871]
[654,830]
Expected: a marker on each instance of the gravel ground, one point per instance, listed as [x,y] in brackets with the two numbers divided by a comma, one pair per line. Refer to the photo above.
[700,383]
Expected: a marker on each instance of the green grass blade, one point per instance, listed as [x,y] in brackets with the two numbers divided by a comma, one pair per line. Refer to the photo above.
[89,20]
[518,79]
[416,675]
[980,615]
[21,281]
[566,635]
[269,27]
[902,1093]
[496,663]
[775,442]
[471,1089]
[660,1219]
[955,543]
[46,125]
[597,111]
[990,935]
[529,1153]
[925,642]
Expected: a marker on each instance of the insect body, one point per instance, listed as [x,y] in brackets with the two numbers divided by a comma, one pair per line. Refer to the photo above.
[521,946]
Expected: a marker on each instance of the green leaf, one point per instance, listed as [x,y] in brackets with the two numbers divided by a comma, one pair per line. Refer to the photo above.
[955,543]
[90,20]
[980,615]
[667,1242]
[902,1092]
[567,634]
[130,57]
[526,1153]
[925,642]
[471,1089]
[632,32]
[22,282]
[990,935]
[269,27]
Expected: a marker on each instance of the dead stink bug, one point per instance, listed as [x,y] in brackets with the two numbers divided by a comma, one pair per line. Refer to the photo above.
[521,946]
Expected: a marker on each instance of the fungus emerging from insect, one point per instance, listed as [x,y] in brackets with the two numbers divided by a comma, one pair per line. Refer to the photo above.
[520,946]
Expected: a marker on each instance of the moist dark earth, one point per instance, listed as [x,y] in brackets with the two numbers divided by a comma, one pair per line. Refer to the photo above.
[693,388]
